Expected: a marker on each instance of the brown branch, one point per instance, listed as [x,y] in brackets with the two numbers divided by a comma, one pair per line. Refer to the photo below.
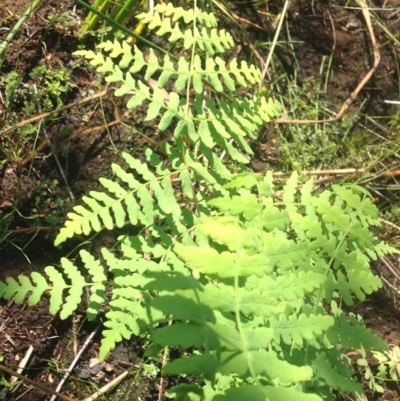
[38,385]
[50,113]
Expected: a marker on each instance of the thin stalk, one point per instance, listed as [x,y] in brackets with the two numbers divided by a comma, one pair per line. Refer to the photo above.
[275,40]
[123,9]
[17,26]
[93,18]
[124,28]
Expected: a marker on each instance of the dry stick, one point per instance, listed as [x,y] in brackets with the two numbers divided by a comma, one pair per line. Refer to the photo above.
[25,392]
[275,40]
[50,113]
[354,94]
[389,223]
[391,268]
[391,286]
[71,367]
[21,366]
[107,387]
[37,385]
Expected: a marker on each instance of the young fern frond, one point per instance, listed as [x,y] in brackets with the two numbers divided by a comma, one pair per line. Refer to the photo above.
[214,127]
[222,260]
[188,16]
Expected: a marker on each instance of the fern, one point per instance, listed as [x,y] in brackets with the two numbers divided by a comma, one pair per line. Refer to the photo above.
[204,123]
[66,305]
[222,262]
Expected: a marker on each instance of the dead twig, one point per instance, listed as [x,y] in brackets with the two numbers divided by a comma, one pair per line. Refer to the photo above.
[37,385]
[50,113]
[21,366]
[390,267]
[107,387]
[71,367]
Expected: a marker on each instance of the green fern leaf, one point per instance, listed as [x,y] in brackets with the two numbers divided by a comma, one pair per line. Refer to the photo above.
[58,285]
[121,325]
[36,292]
[244,180]
[292,286]
[11,288]
[186,181]
[351,333]
[357,282]
[247,205]
[258,303]
[208,261]
[172,111]
[223,230]
[296,329]
[98,286]
[75,291]
[283,252]
[186,335]
[289,192]
[284,394]
[335,374]
[178,13]
[199,365]
[261,393]
[182,391]
[183,309]
[273,218]
[247,339]
[332,214]
[263,363]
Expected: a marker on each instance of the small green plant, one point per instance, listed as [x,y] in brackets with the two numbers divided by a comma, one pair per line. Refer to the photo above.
[313,146]
[226,263]
[387,367]
[5,385]
[44,92]
[53,83]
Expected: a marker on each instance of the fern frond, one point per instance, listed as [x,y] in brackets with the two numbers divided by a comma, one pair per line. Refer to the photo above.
[296,329]
[351,333]
[127,199]
[261,393]
[120,325]
[335,374]
[209,39]
[223,265]
[290,286]
[177,13]
[11,288]
[355,282]
[263,363]
[245,204]
[217,259]
[98,286]
[57,289]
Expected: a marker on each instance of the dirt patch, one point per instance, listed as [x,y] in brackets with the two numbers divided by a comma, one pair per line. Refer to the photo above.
[337,31]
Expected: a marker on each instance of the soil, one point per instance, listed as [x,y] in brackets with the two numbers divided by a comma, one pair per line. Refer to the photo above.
[88,137]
